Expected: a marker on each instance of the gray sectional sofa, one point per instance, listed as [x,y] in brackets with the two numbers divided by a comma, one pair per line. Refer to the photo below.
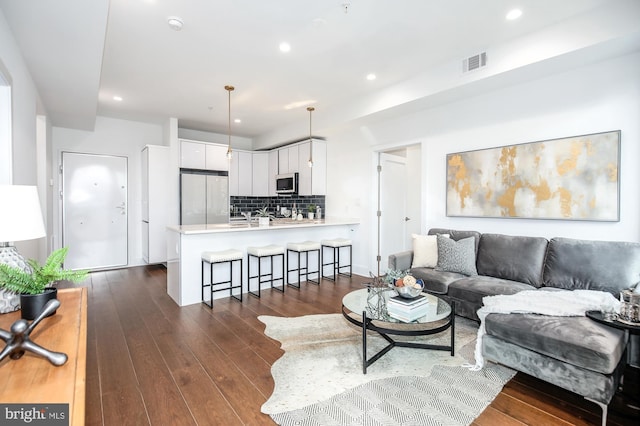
[574,353]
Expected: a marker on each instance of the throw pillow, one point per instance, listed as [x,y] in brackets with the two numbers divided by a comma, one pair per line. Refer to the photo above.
[425,251]
[457,256]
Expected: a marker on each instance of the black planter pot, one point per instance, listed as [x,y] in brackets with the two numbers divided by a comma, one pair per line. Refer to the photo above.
[32,304]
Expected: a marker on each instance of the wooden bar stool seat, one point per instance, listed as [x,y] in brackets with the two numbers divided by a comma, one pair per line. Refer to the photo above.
[221,257]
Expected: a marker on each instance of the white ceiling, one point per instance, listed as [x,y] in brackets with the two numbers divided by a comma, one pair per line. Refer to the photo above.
[83,52]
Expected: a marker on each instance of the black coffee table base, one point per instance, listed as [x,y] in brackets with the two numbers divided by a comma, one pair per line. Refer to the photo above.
[367,324]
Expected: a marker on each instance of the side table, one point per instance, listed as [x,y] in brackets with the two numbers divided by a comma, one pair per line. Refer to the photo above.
[626,401]
[32,379]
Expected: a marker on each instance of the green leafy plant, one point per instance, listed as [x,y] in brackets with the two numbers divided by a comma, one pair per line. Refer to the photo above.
[264,212]
[34,282]
[311,208]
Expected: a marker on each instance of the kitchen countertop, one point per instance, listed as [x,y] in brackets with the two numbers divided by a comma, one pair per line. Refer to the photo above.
[243,226]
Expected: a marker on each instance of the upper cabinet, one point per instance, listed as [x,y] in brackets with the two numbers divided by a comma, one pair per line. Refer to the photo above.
[216,157]
[273,172]
[288,159]
[254,173]
[192,155]
[260,174]
[240,173]
[312,180]
[203,156]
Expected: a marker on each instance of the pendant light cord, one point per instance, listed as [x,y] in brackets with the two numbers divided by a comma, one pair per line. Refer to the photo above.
[229,89]
[310,109]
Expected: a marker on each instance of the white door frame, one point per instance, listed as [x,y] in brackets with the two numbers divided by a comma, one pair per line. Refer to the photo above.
[374,230]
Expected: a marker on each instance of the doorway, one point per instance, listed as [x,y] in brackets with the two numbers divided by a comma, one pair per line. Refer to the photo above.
[399,200]
[94,210]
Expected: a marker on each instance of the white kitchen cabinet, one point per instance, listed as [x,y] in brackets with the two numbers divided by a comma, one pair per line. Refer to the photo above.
[288,159]
[203,156]
[260,174]
[312,180]
[273,172]
[240,173]
[155,181]
[192,155]
[216,157]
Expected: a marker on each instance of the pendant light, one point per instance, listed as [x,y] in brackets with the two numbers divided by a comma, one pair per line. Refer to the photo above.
[229,89]
[310,109]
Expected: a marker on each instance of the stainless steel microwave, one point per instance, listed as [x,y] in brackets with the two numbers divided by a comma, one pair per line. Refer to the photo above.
[287,183]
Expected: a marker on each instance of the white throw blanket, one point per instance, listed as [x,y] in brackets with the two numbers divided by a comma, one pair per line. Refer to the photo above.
[564,303]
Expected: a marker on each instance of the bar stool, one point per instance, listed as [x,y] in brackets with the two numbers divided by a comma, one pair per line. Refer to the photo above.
[303,271]
[219,257]
[260,253]
[336,244]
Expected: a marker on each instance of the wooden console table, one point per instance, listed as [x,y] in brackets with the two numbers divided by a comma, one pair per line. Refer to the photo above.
[32,379]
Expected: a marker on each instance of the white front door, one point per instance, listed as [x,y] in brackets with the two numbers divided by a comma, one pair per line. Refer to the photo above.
[94,210]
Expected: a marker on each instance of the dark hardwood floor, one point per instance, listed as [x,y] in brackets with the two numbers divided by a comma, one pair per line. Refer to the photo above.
[152,362]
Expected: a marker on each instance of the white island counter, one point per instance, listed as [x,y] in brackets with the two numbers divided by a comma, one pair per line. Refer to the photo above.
[185,245]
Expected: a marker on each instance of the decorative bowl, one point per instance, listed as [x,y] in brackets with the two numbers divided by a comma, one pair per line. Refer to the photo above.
[410,292]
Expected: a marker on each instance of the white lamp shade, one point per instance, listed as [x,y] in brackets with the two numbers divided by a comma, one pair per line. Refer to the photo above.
[20,214]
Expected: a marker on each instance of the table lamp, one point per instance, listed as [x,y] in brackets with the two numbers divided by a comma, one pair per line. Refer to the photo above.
[20,220]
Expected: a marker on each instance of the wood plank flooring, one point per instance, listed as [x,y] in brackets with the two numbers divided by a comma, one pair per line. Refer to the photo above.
[152,362]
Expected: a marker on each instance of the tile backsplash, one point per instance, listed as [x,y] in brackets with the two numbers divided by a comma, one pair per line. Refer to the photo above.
[241,204]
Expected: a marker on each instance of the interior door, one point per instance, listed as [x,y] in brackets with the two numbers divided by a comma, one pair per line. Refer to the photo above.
[393,220]
[94,210]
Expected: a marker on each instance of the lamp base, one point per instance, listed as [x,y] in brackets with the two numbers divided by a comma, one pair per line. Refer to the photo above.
[10,301]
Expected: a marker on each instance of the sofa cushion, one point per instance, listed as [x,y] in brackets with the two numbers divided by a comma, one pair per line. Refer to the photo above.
[512,258]
[457,235]
[436,281]
[456,256]
[576,340]
[425,251]
[473,289]
[592,265]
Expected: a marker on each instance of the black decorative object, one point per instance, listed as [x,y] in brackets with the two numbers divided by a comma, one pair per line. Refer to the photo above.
[18,340]
[32,304]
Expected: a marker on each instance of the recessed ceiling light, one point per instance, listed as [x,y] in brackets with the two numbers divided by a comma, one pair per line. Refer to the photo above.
[513,14]
[371,76]
[117,98]
[175,23]
[285,47]
[237,120]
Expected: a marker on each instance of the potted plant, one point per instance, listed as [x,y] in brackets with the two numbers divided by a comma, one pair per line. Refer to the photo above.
[35,286]
[311,209]
[263,216]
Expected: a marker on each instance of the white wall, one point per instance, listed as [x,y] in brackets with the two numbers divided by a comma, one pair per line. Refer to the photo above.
[595,98]
[111,137]
[23,121]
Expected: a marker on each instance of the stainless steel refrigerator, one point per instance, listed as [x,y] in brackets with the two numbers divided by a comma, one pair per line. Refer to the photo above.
[204,197]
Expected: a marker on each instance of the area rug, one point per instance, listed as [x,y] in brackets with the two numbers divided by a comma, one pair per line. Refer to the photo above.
[319,378]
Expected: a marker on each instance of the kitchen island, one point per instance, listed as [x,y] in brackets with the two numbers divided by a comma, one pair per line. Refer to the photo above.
[186,243]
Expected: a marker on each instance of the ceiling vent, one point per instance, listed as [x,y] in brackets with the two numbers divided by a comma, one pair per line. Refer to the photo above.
[474,62]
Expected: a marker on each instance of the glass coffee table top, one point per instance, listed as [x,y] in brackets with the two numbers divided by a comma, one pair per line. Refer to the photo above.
[357,302]
[360,308]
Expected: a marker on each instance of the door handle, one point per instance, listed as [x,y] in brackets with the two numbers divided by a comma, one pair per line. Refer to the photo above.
[406,219]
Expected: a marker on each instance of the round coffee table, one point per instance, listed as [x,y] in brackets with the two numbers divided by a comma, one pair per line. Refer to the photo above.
[356,310]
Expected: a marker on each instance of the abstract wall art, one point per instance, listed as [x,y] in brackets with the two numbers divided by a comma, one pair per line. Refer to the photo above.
[574,178]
